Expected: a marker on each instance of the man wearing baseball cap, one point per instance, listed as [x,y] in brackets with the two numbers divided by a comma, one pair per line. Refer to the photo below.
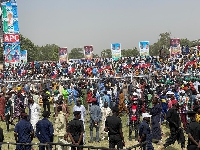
[145,134]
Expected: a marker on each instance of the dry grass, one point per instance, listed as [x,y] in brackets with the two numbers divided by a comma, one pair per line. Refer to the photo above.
[9,137]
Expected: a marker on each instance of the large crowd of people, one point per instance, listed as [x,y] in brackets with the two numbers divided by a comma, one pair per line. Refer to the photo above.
[151,91]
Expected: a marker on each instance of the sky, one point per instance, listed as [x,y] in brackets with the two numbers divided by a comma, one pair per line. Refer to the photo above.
[78,23]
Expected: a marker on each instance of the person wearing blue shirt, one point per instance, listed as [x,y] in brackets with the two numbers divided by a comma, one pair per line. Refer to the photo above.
[44,130]
[145,134]
[75,93]
[98,98]
[23,133]
[70,93]
[106,98]
[94,71]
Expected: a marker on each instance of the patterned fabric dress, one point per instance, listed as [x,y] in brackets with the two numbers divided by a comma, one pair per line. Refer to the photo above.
[18,108]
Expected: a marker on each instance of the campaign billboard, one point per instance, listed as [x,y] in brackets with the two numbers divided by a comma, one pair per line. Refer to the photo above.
[144,48]
[10,17]
[12,53]
[116,51]
[23,56]
[175,47]
[88,52]
[63,55]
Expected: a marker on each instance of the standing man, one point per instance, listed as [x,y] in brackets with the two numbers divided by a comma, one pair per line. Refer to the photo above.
[45,100]
[34,111]
[75,130]
[23,133]
[122,106]
[193,131]
[134,116]
[176,132]
[1,136]
[81,108]
[60,125]
[113,126]
[95,118]
[106,111]
[106,98]
[8,111]
[145,134]
[44,130]
[2,106]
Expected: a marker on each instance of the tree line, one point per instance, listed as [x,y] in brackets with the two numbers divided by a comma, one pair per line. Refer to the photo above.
[49,52]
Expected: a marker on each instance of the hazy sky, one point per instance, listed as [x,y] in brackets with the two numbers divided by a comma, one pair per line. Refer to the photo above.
[76,23]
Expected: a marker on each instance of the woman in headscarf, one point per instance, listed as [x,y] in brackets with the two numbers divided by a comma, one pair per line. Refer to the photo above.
[155,120]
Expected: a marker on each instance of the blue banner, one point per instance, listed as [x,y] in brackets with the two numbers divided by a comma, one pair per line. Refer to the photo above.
[116,51]
[10,18]
[12,53]
[144,48]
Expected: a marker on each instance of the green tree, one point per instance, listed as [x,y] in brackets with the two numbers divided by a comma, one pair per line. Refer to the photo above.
[26,44]
[130,52]
[47,52]
[106,53]
[185,42]
[162,43]
[76,53]
[95,56]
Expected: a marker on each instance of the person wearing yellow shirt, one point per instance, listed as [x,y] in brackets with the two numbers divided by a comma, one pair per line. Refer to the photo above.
[197,110]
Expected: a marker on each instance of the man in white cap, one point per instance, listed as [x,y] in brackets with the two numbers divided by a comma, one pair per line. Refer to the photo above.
[145,134]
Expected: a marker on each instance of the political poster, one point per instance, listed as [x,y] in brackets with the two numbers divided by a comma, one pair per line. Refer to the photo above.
[63,55]
[175,47]
[116,51]
[23,56]
[144,48]
[12,53]
[88,52]
[10,17]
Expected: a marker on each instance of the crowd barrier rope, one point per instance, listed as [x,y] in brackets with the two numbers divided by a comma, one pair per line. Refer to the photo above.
[97,78]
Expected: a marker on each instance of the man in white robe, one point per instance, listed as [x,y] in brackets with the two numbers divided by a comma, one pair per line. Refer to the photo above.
[34,111]
[106,111]
[81,108]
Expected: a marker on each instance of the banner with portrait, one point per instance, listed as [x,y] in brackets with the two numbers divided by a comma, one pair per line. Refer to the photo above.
[10,17]
[88,52]
[23,56]
[116,51]
[175,47]
[63,55]
[144,48]
[12,53]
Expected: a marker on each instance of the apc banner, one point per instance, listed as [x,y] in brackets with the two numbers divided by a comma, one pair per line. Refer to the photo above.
[12,53]
[144,48]
[116,51]
[175,47]
[11,38]
[88,52]
[23,57]
[63,56]
[10,17]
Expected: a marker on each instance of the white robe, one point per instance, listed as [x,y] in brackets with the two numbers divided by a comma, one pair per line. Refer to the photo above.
[34,114]
[105,113]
